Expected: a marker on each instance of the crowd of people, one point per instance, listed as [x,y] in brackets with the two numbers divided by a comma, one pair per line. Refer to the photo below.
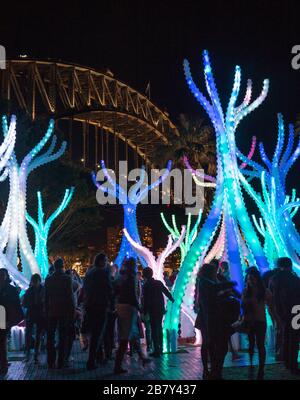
[218,303]
[114,309]
[106,309]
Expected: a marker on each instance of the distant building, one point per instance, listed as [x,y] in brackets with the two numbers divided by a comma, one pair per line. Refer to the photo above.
[114,237]
[113,241]
[146,236]
[173,261]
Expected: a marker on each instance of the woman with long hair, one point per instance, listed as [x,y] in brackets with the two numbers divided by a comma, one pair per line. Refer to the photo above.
[254,299]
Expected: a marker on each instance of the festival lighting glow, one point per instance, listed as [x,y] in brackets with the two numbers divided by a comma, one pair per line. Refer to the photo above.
[228,199]
[190,235]
[6,151]
[42,229]
[129,202]
[277,209]
[14,229]
[156,263]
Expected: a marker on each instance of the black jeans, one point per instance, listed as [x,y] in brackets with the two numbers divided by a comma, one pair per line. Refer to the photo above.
[108,342]
[290,345]
[257,334]
[62,325]
[38,334]
[215,345]
[97,326]
[157,332]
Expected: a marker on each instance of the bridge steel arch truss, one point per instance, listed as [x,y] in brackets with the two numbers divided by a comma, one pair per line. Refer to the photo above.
[76,93]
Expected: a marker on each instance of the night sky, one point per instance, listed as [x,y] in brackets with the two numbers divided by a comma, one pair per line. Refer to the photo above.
[146,41]
[142,41]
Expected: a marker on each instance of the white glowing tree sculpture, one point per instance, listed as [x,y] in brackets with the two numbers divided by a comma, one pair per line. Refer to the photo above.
[42,228]
[14,236]
[190,235]
[6,151]
[129,201]
[156,263]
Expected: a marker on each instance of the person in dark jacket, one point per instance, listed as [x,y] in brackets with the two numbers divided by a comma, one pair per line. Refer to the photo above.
[34,303]
[97,297]
[128,308]
[154,307]
[59,307]
[104,352]
[285,287]
[223,275]
[210,321]
[267,278]
[10,302]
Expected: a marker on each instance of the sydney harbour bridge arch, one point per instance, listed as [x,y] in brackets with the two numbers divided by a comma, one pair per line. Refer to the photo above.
[108,116]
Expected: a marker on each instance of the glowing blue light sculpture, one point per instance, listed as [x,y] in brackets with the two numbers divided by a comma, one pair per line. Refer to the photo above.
[42,229]
[276,207]
[228,199]
[129,202]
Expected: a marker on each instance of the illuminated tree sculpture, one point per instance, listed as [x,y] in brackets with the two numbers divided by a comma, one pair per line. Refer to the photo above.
[6,151]
[156,263]
[190,235]
[42,229]
[228,199]
[129,202]
[14,223]
[276,207]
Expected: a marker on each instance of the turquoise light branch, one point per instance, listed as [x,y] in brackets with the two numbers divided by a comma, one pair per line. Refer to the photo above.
[42,229]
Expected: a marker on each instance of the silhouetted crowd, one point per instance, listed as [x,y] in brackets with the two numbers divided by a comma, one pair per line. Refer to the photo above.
[113,309]
[223,311]
[106,310]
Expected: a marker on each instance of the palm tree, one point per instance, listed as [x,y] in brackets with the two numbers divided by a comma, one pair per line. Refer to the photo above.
[195,141]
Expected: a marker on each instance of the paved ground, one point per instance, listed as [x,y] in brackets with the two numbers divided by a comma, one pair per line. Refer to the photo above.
[184,365]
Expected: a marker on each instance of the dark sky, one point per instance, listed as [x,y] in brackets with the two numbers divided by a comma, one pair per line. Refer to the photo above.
[143,41]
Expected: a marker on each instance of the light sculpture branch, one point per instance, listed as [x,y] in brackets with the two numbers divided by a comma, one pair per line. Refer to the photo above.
[42,228]
[228,199]
[236,216]
[14,222]
[156,263]
[190,236]
[6,151]
[211,180]
[276,207]
[129,202]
